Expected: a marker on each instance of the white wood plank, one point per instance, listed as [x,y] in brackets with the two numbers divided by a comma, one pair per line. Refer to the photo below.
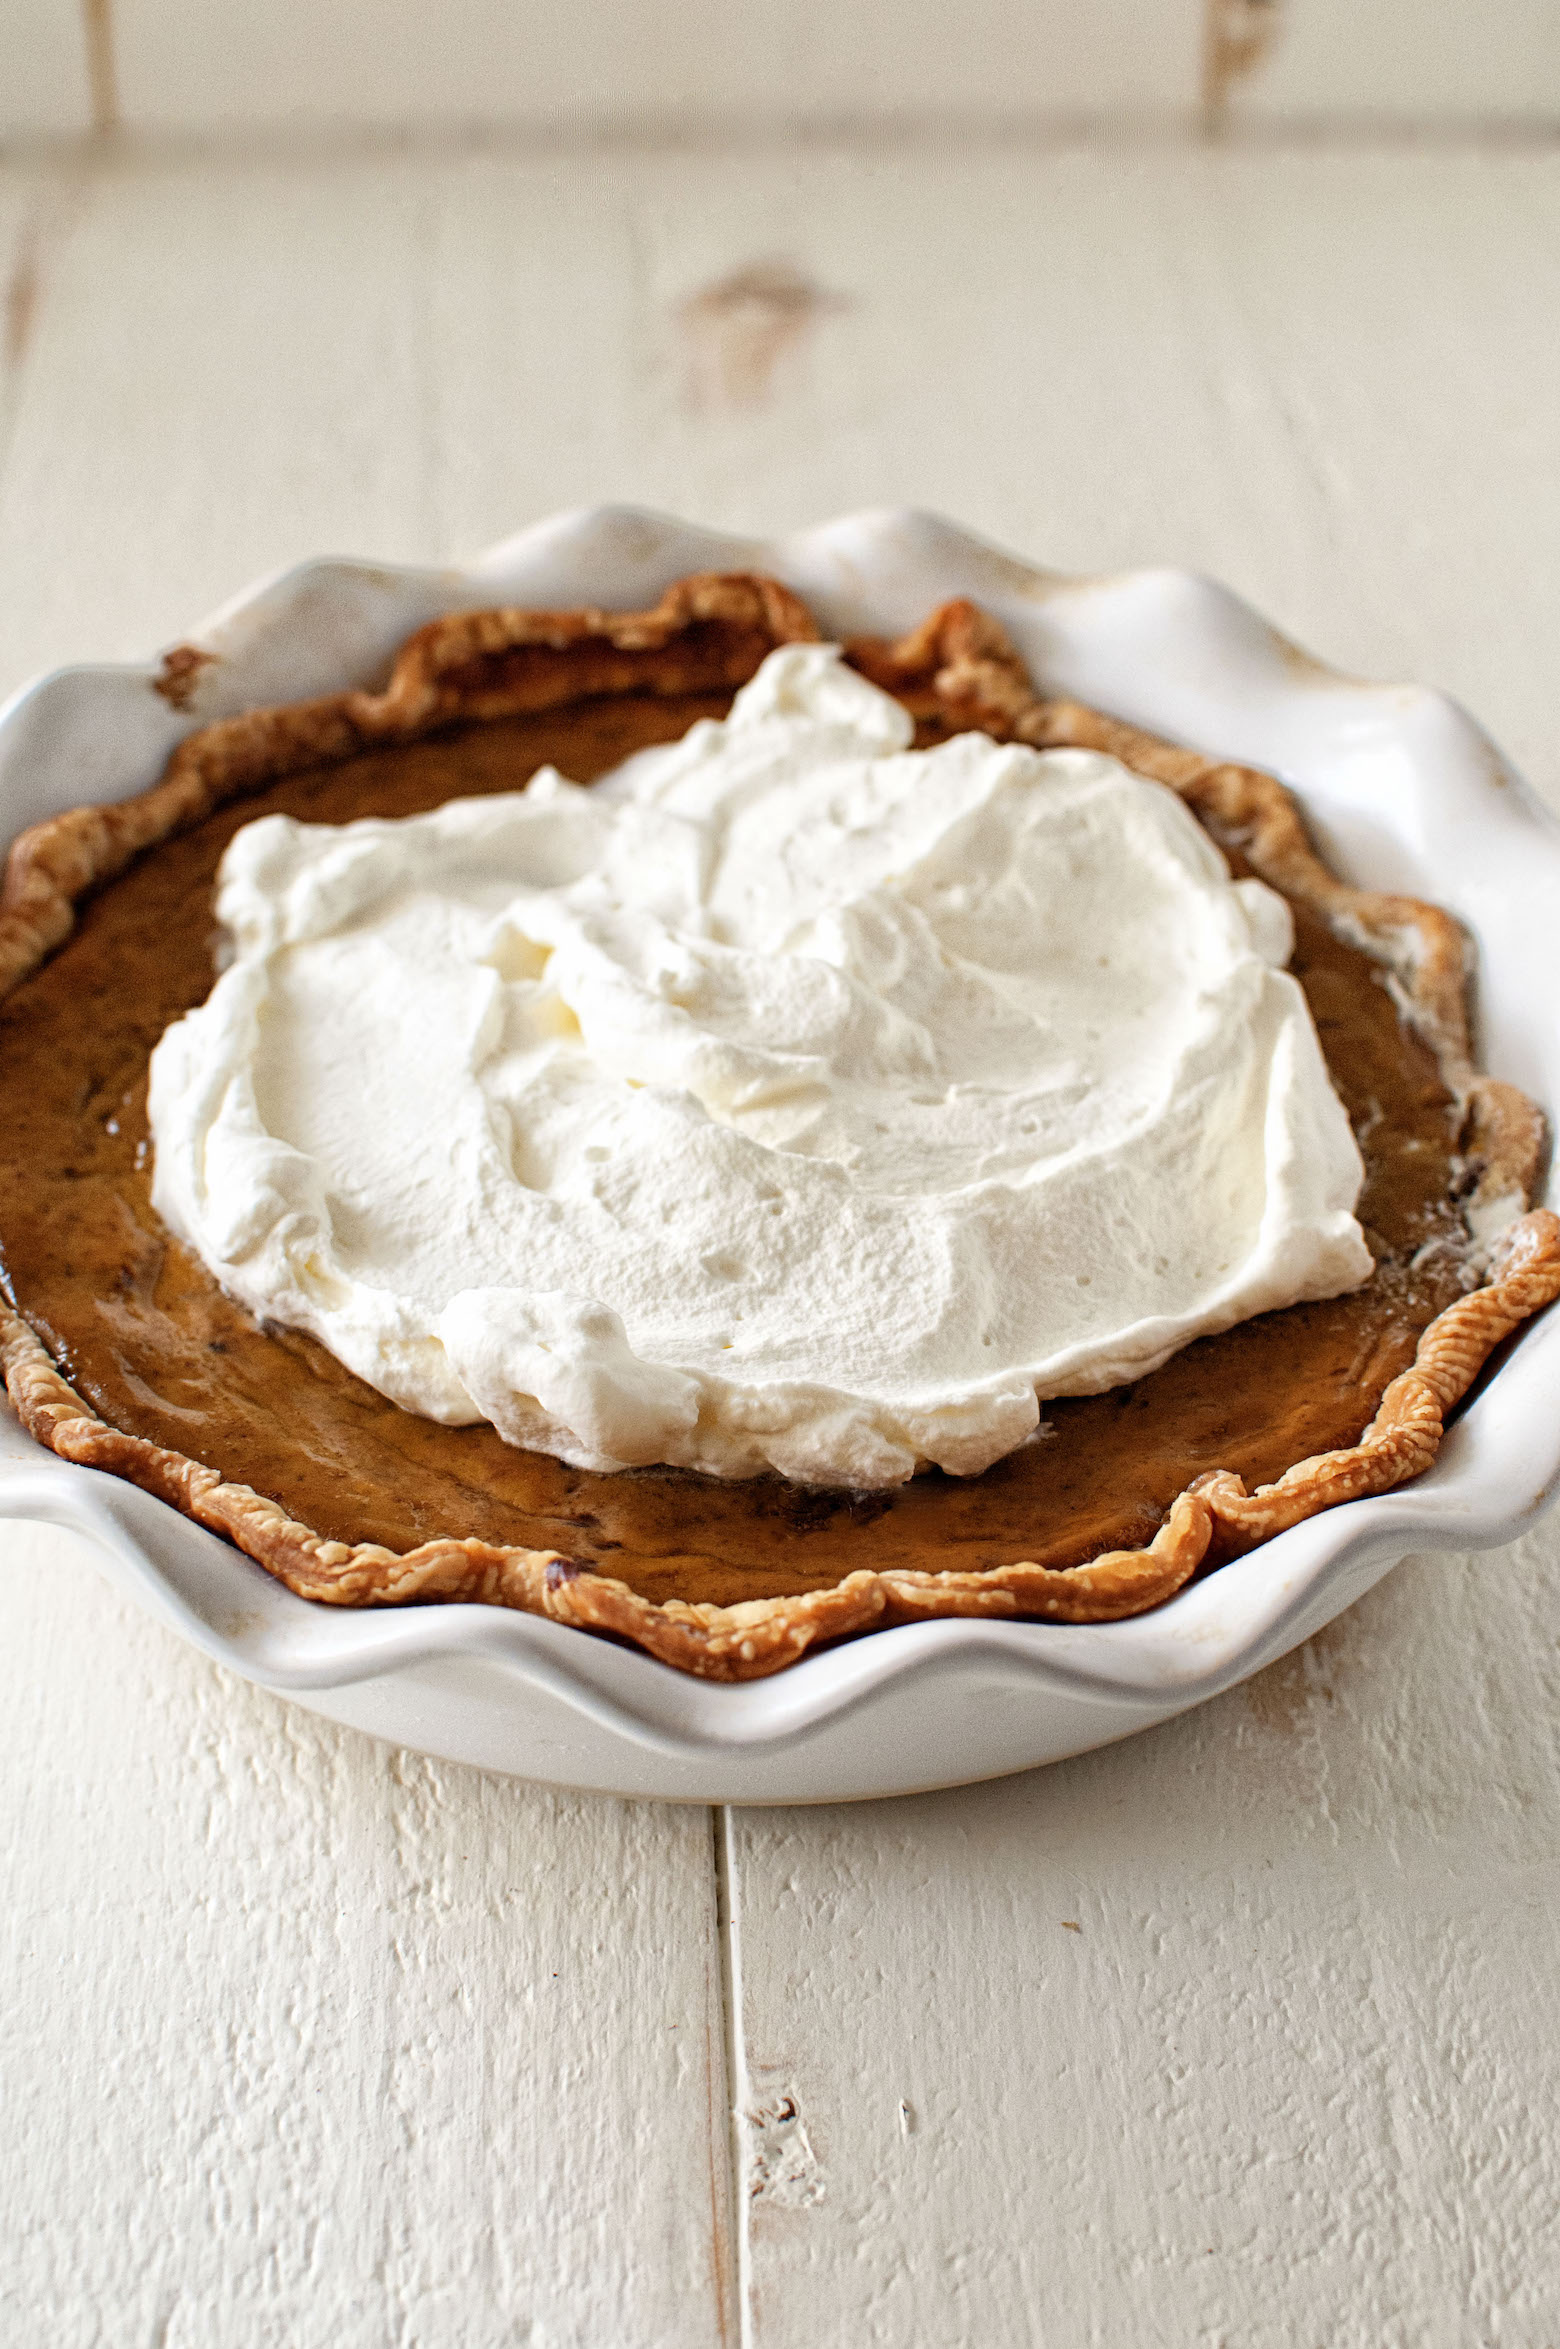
[1330,379]
[43,69]
[226,375]
[23,191]
[1072,351]
[38,201]
[311,2042]
[1288,2082]
[1465,61]
[1377,345]
[196,64]
[1309,2003]
[307,2043]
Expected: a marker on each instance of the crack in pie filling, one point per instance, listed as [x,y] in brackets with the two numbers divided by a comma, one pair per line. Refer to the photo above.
[732,1143]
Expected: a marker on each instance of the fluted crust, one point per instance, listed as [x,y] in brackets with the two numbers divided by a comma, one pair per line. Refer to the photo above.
[958,670]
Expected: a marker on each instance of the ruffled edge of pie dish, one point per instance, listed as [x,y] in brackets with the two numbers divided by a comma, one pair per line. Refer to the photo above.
[958,670]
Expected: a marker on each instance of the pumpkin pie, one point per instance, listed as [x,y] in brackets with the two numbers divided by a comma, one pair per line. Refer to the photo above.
[122,1352]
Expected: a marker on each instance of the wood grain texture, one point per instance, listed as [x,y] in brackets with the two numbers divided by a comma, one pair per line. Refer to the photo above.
[282,2025]
[307,2041]
[213,65]
[1262,2001]
[606,63]
[1329,379]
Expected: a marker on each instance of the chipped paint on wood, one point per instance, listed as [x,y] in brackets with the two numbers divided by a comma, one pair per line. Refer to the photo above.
[781,2167]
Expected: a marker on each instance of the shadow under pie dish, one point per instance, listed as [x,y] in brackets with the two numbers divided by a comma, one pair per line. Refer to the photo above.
[123,1352]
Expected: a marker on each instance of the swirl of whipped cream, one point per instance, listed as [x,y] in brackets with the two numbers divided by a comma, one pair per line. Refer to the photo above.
[790,1099]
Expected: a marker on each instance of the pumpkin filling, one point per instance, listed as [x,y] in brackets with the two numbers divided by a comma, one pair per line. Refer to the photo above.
[147,1337]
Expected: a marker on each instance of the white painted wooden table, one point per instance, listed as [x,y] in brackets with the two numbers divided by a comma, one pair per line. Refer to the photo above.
[1243,2032]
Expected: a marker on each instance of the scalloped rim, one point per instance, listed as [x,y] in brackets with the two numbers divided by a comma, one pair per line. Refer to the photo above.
[1404,792]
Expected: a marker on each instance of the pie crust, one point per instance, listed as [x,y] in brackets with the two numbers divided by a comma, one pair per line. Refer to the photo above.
[956,671]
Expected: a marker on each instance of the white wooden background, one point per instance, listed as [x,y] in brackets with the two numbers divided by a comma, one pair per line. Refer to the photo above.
[204,66]
[1241,2033]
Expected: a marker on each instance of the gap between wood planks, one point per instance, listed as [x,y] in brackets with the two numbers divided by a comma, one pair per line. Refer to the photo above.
[769,2150]
[737,2264]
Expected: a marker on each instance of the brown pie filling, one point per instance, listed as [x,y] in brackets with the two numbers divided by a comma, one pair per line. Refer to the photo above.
[151,1371]
[145,1334]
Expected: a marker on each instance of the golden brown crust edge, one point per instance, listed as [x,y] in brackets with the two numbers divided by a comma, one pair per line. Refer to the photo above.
[707,634]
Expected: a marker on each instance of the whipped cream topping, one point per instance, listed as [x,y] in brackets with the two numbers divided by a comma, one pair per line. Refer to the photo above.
[788,1099]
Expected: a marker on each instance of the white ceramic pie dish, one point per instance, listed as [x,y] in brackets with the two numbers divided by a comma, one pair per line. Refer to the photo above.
[1403,792]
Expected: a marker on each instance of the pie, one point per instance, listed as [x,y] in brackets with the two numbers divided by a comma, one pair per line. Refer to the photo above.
[121,1352]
